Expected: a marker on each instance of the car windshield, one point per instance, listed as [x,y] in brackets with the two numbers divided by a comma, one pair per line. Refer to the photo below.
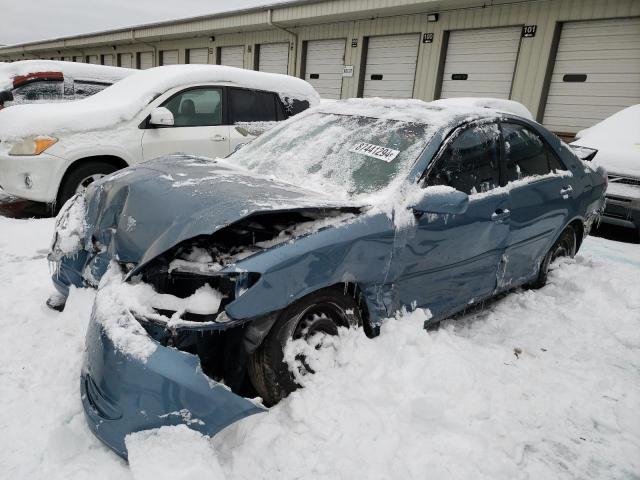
[334,153]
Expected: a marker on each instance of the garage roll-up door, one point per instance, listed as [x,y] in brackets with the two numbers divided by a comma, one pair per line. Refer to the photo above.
[596,73]
[198,55]
[324,65]
[169,57]
[107,60]
[232,56]
[126,60]
[391,66]
[93,59]
[480,63]
[274,58]
[145,60]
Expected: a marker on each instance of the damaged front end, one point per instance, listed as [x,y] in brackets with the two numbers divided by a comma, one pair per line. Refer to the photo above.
[161,347]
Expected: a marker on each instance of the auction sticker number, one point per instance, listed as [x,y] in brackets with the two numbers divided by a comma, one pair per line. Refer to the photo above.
[381,153]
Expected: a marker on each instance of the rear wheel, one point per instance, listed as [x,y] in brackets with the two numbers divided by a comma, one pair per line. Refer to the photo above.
[565,246]
[80,178]
[323,311]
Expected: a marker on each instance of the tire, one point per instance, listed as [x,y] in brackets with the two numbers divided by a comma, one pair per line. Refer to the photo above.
[268,372]
[83,175]
[564,246]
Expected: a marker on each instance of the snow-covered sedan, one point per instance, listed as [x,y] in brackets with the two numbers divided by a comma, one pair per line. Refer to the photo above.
[338,217]
[614,143]
[48,152]
[30,81]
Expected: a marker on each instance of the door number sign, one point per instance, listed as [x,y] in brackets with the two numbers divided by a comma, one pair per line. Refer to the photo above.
[529,31]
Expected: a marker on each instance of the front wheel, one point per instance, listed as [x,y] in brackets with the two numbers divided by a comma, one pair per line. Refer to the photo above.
[323,311]
[80,178]
[565,246]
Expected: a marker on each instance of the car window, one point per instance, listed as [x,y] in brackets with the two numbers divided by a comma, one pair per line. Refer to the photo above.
[252,106]
[470,163]
[39,90]
[84,88]
[526,153]
[199,107]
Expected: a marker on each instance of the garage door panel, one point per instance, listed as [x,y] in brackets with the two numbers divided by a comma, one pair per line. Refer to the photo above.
[169,57]
[608,52]
[232,56]
[146,60]
[198,55]
[391,66]
[484,59]
[274,58]
[325,61]
[126,60]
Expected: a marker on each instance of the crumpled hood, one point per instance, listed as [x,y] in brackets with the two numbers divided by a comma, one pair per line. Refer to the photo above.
[142,211]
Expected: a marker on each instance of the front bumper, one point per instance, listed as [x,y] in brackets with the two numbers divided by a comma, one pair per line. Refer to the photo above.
[122,394]
[623,206]
[32,177]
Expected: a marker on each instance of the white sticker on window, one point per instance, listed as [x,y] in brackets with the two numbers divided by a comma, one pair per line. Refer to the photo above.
[381,153]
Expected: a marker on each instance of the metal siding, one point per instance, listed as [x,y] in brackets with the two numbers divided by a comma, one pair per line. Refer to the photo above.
[488,58]
[394,57]
[325,58]
[198,55]
[608,53]
[232,56]
[274,58]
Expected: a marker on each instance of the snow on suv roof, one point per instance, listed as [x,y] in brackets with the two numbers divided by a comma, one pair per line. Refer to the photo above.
[83,71]
[123,100]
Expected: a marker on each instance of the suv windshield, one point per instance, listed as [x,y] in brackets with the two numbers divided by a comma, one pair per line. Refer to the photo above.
[336,153]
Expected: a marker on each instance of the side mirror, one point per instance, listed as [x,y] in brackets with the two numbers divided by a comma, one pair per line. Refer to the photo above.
[442,199]
[161,117]
[6,96]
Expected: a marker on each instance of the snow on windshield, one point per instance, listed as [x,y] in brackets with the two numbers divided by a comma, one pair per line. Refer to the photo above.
[337,154]
[123,101]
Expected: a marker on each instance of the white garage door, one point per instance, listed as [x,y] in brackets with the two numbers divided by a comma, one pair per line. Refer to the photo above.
[596,73]
[391,66]
[323,69]
[169,57]
[126,60]
[107,60]
[145,60]
[232,56]
[78,59]
[93,59]
[198,55]
[274,58]
[480,63]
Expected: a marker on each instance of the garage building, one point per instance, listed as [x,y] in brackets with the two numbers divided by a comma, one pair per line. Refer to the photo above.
[571,62]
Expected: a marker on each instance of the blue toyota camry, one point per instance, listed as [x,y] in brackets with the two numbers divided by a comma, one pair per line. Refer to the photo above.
[338,217]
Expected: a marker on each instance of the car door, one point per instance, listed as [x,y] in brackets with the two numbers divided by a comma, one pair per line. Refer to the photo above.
[246,105]
[452,260]
[198,127]
[540,189]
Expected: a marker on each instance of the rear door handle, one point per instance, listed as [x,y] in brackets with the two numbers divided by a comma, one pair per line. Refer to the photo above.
[566,191]
[218,138]
[500,214]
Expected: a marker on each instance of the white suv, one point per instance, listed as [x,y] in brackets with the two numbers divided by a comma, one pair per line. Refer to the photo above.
[48,152]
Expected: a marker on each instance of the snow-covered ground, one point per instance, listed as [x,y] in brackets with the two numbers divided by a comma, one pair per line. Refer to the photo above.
[540,384]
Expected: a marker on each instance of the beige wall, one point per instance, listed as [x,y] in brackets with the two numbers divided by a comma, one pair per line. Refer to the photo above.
[531,69]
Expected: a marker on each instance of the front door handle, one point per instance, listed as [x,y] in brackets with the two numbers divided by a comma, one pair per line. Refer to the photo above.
[500,214]
[566,191]
[218,138]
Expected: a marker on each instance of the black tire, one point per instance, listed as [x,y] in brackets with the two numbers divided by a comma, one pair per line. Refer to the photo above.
[79,174]
[268,372]
[564,246]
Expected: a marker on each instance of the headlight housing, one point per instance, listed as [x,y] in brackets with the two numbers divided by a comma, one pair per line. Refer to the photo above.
[32,146]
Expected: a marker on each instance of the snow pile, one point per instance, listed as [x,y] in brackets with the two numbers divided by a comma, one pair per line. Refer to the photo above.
[176,453]
[617,140]
[78,71]
[507,106]
[122,101]
[70,229]
[539,384]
